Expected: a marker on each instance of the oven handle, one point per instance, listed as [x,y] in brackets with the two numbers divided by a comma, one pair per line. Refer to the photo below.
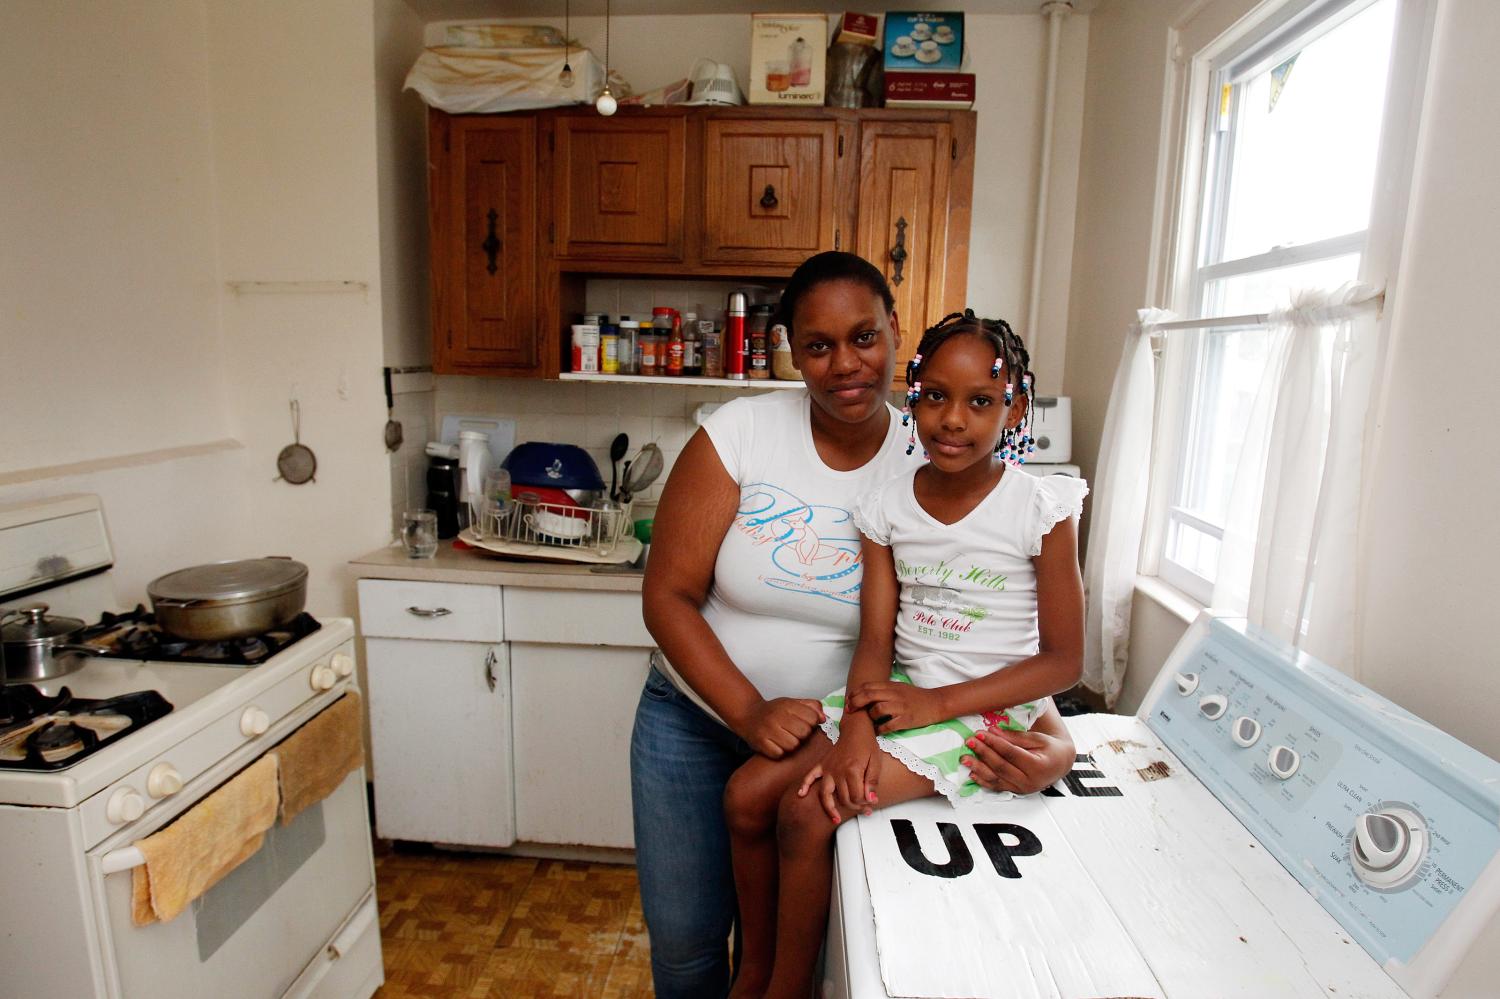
[123,859]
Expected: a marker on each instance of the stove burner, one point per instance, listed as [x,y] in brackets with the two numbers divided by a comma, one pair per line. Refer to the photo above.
[136,635]
[44,736]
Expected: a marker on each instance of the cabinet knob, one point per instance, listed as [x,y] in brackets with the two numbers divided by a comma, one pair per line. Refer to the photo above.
[898,252]
[768,199]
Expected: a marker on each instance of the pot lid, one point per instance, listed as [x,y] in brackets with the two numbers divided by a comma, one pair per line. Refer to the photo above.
[34,626]
[238,580]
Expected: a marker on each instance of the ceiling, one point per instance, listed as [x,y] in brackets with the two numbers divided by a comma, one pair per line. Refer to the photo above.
[452,10]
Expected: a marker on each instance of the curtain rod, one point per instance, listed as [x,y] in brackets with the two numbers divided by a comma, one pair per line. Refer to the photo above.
[1256,318]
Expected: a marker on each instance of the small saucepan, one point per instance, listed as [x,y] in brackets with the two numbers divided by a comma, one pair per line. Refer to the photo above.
[35,645]
[209,603]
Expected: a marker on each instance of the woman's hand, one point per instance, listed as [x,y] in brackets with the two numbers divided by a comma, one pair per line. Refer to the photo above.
[1022,762]
[894,706]
[776,727]
[847,777]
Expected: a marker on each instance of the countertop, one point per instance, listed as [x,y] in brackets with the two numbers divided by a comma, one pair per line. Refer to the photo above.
[451,565]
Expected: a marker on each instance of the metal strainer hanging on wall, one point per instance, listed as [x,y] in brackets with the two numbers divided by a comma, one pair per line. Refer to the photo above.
[296,462]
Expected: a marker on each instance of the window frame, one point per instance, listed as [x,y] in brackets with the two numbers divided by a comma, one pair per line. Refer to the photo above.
[1211,44]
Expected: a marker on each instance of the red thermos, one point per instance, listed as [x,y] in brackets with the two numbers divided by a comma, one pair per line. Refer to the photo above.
[734,337]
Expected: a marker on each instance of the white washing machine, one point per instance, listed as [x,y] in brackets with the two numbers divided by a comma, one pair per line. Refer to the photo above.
[1264,826]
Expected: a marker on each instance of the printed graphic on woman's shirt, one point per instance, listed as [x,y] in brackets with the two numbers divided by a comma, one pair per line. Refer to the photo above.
[940,611]
[812,548]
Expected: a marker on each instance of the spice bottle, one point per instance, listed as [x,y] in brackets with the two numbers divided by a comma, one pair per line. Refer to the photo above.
[759,336]
[781,355]
[629,346]
[712,336]
[692,346]
[609,349]
[676,346]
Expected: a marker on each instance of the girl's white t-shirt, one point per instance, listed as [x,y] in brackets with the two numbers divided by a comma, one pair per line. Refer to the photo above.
[968,603]
[785,595]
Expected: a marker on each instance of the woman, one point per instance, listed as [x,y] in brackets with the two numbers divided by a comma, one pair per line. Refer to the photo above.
[752,595]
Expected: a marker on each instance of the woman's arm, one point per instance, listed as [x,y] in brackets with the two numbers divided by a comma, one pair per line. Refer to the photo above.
[697,507]
[1056,666]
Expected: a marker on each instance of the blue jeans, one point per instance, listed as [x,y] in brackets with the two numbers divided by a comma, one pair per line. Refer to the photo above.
[680,762]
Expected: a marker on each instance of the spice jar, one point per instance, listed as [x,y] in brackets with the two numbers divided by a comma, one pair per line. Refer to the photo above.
[629,347]
[712,336]
[758,333]
[781,355]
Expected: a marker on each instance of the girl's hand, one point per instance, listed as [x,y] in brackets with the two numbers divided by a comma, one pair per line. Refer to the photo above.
[847,778]
[894,706]
[1022,762]
[776,727]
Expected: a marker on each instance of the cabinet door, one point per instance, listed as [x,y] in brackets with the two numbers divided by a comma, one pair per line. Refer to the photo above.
[575,709]
[769,189]
[617,187]
[905,170]
[483,220]
[440,734]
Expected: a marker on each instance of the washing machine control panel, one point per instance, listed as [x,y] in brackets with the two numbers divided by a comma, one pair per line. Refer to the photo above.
[1387,820]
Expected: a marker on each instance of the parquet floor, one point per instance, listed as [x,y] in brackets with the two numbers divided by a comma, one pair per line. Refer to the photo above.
[475,926]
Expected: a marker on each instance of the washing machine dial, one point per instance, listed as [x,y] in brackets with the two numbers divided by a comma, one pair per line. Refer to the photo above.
[1283,761]
[1388,846]
[1186,683]
[1245,732]
[1213,706]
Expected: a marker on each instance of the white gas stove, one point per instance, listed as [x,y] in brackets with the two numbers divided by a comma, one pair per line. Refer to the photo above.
[1264,826]
[296,919]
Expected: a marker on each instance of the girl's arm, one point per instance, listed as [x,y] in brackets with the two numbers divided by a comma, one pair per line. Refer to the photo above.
[697,507]
[1056,666]
[848,777]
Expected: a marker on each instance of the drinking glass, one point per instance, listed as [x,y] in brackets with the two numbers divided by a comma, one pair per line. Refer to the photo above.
[419,533]
[496,503]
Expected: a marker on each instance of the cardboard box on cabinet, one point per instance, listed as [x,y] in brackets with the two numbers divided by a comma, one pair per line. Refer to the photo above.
[788,54]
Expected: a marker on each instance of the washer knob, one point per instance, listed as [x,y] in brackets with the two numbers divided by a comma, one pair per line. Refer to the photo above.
[1213,706]
[253,722]
[1187,683]
[343,664]
[125,805]
[1283,761]
[323,677]
[1246,731]
[1388,847]
[163,781]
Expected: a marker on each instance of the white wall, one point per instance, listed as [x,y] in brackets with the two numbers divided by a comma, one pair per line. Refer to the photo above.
[152,153]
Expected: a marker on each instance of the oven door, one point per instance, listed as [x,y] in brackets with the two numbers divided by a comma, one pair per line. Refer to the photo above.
[253,933]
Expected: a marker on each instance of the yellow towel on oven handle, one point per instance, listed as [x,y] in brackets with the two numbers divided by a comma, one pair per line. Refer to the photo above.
[205,843]
[317,757]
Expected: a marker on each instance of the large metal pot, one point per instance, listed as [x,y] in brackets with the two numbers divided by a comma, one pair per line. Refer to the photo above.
[35,645]
[229,599]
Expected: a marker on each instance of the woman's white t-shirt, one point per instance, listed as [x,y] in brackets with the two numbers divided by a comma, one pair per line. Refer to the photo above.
[785,596]
[968,589]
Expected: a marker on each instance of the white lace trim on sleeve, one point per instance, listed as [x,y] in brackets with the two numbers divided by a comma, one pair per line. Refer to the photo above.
[1057,498]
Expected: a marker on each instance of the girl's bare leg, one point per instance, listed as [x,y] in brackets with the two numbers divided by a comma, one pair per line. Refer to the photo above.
[804,838]
[750,805]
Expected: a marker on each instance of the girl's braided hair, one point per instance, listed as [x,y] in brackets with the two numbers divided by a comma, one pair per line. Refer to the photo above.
[1010,353]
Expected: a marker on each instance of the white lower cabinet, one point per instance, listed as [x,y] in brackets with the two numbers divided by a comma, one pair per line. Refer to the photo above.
[575,705]
[440,728]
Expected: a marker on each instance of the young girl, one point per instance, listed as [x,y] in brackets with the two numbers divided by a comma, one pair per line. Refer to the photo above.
[971,614]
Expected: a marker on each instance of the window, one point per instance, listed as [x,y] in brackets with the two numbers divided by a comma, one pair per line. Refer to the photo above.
[1278,195]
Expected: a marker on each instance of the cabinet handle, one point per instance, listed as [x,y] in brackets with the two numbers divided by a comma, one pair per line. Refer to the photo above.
[489,669]
[429,611]
[491,244]
[898,252]
[768,199]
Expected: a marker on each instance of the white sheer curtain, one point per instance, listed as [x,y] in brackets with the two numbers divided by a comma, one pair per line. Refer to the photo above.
[1117,511]
[1291,535]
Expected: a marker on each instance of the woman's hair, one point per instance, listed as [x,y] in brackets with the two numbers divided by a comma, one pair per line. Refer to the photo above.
[822,268]
[1010,354]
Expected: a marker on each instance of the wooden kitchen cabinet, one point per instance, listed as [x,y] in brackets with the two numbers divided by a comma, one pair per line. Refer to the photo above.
[483,229]
[617,187]
[769,190]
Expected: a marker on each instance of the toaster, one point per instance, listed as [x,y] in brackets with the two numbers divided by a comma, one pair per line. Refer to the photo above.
[1052,429]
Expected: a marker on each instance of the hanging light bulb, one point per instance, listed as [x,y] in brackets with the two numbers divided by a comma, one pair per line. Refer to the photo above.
[566,76]
[606,103]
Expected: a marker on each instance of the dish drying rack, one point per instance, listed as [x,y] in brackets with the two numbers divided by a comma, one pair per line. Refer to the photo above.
[526,520]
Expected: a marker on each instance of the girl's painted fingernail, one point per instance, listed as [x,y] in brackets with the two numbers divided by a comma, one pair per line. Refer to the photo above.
[969,743]
[868,812]
[966,761]
[870,796]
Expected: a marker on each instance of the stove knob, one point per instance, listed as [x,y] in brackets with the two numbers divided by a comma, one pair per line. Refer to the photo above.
[1388,847]
[125,805]
[164,781]
[323,677]
[1246,731]
[1213,706]
[254,722]
[1283,761]
[342,663]
[1187,683]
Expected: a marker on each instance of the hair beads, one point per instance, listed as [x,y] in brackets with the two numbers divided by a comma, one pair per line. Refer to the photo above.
[1010,353]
